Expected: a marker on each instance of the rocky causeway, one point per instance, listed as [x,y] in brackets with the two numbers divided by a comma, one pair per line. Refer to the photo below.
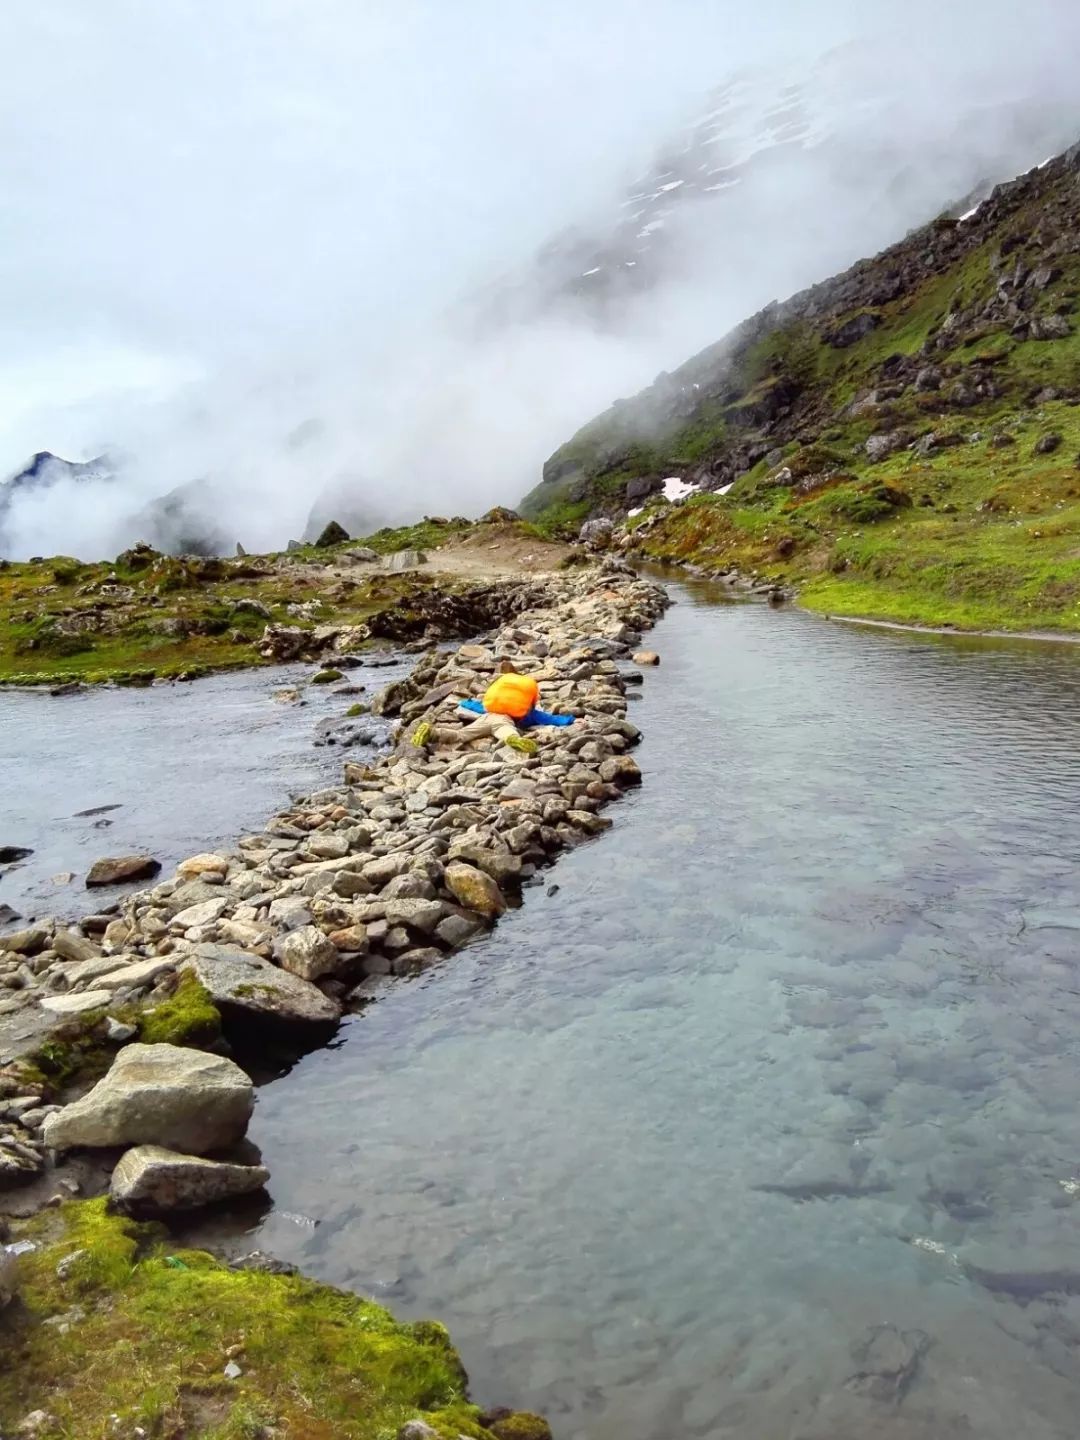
[164,999]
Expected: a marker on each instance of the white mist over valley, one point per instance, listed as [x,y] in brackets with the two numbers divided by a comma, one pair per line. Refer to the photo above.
[271,264]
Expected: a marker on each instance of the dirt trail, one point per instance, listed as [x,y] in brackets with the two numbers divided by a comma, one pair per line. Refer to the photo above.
[493,552]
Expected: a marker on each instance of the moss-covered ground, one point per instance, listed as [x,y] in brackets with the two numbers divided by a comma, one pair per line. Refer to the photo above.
[131,1332]
[146,615]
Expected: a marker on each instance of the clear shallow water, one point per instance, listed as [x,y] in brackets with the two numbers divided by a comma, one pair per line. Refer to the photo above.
[187,767]
[832,946]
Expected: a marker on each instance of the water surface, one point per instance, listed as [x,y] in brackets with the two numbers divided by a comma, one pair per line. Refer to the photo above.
[167,771]
[791,1054]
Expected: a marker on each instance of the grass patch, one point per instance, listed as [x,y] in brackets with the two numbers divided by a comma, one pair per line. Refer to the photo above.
[158,1327]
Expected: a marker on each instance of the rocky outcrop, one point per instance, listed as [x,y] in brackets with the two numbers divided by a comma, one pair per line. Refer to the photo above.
[159,1095]
[911,326]
[151,1178]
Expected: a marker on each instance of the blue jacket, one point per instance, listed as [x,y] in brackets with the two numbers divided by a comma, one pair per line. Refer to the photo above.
[534,717]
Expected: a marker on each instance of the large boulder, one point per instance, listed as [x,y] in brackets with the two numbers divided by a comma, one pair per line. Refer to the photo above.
[404,560]
[159,1095]
[120,869]
[332,534]
[150,1177]
[245,985]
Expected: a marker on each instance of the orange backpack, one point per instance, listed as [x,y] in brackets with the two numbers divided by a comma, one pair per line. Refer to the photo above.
[513,695]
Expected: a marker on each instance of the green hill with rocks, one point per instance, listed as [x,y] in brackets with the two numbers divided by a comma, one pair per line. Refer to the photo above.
[902,441]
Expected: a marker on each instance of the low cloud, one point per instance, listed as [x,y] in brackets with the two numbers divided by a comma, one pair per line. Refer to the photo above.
[241,239]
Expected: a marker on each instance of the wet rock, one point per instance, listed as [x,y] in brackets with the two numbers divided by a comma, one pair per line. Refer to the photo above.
[12,854]
[888,1361]
[262,1264]
[152,1178]
[246,985]
[516,1425]
[119,870]
[646,657]
[620,770]
[159,1095]
[474,890]
[458,929]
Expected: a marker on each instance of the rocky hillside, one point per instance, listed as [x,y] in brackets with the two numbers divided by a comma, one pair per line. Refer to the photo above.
[901,440]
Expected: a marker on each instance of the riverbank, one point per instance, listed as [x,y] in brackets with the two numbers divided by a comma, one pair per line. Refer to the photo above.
[262,949]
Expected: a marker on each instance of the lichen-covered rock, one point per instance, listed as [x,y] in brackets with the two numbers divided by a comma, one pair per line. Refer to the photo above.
[150,1177]
[307,953]
[516,1425]
[159,1095]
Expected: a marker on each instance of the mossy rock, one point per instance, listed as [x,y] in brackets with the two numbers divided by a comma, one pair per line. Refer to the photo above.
[327,677]
[188,1017]
[517,1425]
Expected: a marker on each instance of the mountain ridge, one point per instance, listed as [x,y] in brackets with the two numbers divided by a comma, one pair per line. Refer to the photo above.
[947,363]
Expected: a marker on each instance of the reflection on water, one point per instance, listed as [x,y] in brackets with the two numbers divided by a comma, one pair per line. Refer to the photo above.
[168,771]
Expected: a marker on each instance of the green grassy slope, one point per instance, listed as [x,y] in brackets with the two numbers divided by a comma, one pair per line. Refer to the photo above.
[954,355]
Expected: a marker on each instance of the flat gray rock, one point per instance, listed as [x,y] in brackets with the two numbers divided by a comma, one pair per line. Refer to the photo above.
[76,1004]
[240,981]
[153,1178]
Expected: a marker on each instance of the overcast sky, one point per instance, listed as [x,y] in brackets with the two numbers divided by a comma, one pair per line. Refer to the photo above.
[214,217]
